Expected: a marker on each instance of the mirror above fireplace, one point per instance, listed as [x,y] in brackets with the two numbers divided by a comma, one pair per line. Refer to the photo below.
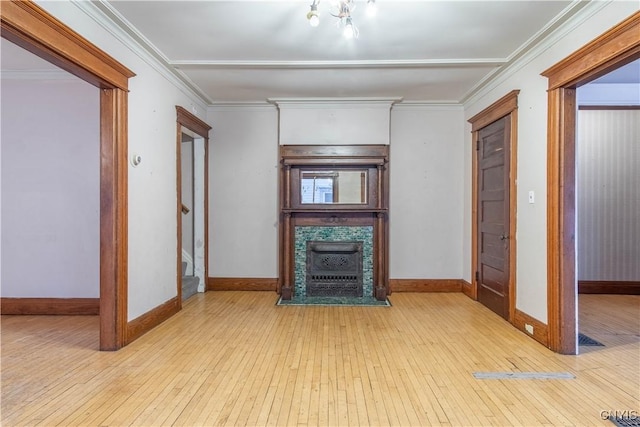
[333,186]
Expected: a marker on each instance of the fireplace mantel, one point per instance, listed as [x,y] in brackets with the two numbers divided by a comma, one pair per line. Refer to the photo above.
[334,193]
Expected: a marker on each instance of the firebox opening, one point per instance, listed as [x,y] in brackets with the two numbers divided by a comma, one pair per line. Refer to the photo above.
[334,269]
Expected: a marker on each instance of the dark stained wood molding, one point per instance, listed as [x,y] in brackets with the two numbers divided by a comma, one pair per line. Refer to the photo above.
[192,122]
[540,330]
[616,47]
[495,111]
[608,287]
[50,306]
[610,50]
[187,120]
[505,106]
[149,320]
[241,284]
[113,218]
[608,107]
[467,288]
[426,285]
[31,27]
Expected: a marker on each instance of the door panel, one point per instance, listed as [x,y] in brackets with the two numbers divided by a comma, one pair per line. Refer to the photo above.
[493,216]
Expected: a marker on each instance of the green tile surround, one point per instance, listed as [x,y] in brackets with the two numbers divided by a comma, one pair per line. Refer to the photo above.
[303,234]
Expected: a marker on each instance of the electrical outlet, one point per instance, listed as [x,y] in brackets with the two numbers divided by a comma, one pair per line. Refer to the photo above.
[528,328]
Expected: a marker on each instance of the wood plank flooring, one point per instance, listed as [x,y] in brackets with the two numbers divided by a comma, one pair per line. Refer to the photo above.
[234,358]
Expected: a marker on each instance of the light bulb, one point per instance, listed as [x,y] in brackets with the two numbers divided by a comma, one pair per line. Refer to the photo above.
[314,20]
[348,29]
[312,15]
[372,9]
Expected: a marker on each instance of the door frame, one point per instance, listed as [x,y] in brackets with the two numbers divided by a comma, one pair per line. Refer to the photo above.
[613,49]
[505,106]
[187,120]
[32,28]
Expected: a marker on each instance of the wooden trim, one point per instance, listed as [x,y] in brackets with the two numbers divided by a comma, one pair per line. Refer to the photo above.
[513,207]
[495,111]
[474,215]
[149,320]
[610,50]
[540,330]
[561,215]
[370,154]
[31,27]
[467,288]
[426,285]
[50,306]
[614,48]
[190,121]
[608,287]
[180,209]
[241,284]
[113,219]
[609,107]
[505,106]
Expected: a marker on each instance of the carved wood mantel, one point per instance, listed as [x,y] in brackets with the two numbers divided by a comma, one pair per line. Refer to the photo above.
[300,164]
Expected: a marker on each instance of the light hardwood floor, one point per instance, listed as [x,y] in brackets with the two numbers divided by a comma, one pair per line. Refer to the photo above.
[234,358]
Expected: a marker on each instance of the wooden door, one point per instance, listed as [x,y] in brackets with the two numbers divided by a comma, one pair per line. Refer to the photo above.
[493,216]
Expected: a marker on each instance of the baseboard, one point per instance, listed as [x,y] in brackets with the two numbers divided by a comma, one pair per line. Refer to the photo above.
[608,287]
[50,306]
[426,285]
[241,284]
[143,324]
[467,288]
[540,330]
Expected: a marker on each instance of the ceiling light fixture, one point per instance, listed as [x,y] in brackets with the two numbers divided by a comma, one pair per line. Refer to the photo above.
[342,10]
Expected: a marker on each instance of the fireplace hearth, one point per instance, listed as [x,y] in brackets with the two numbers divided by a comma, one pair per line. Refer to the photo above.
[334,269]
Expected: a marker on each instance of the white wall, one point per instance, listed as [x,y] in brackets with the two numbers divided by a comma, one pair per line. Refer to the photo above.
[50,188]
[243,192]
[152,275]
[531,275]
[330,122]
[426,192]
[426,197]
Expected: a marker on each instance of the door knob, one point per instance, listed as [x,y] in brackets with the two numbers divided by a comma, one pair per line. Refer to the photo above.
[504,237]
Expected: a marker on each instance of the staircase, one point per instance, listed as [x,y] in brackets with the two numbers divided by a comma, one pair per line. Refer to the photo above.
[189,283]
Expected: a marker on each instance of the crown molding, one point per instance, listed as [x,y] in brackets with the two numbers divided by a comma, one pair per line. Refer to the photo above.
[330,102]
[571,17]
[391,63]
[120,28]
[429,106]
[244,106]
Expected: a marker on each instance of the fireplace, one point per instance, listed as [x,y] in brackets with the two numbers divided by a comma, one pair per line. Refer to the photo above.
[334,222]
[334,269]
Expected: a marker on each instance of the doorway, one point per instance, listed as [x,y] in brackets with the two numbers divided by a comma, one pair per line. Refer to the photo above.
[50,188]
[613,49]
[32,28]
[192,212]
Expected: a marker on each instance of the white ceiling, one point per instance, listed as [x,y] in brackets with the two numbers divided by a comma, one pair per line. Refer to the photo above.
[244,51]
[249,51]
